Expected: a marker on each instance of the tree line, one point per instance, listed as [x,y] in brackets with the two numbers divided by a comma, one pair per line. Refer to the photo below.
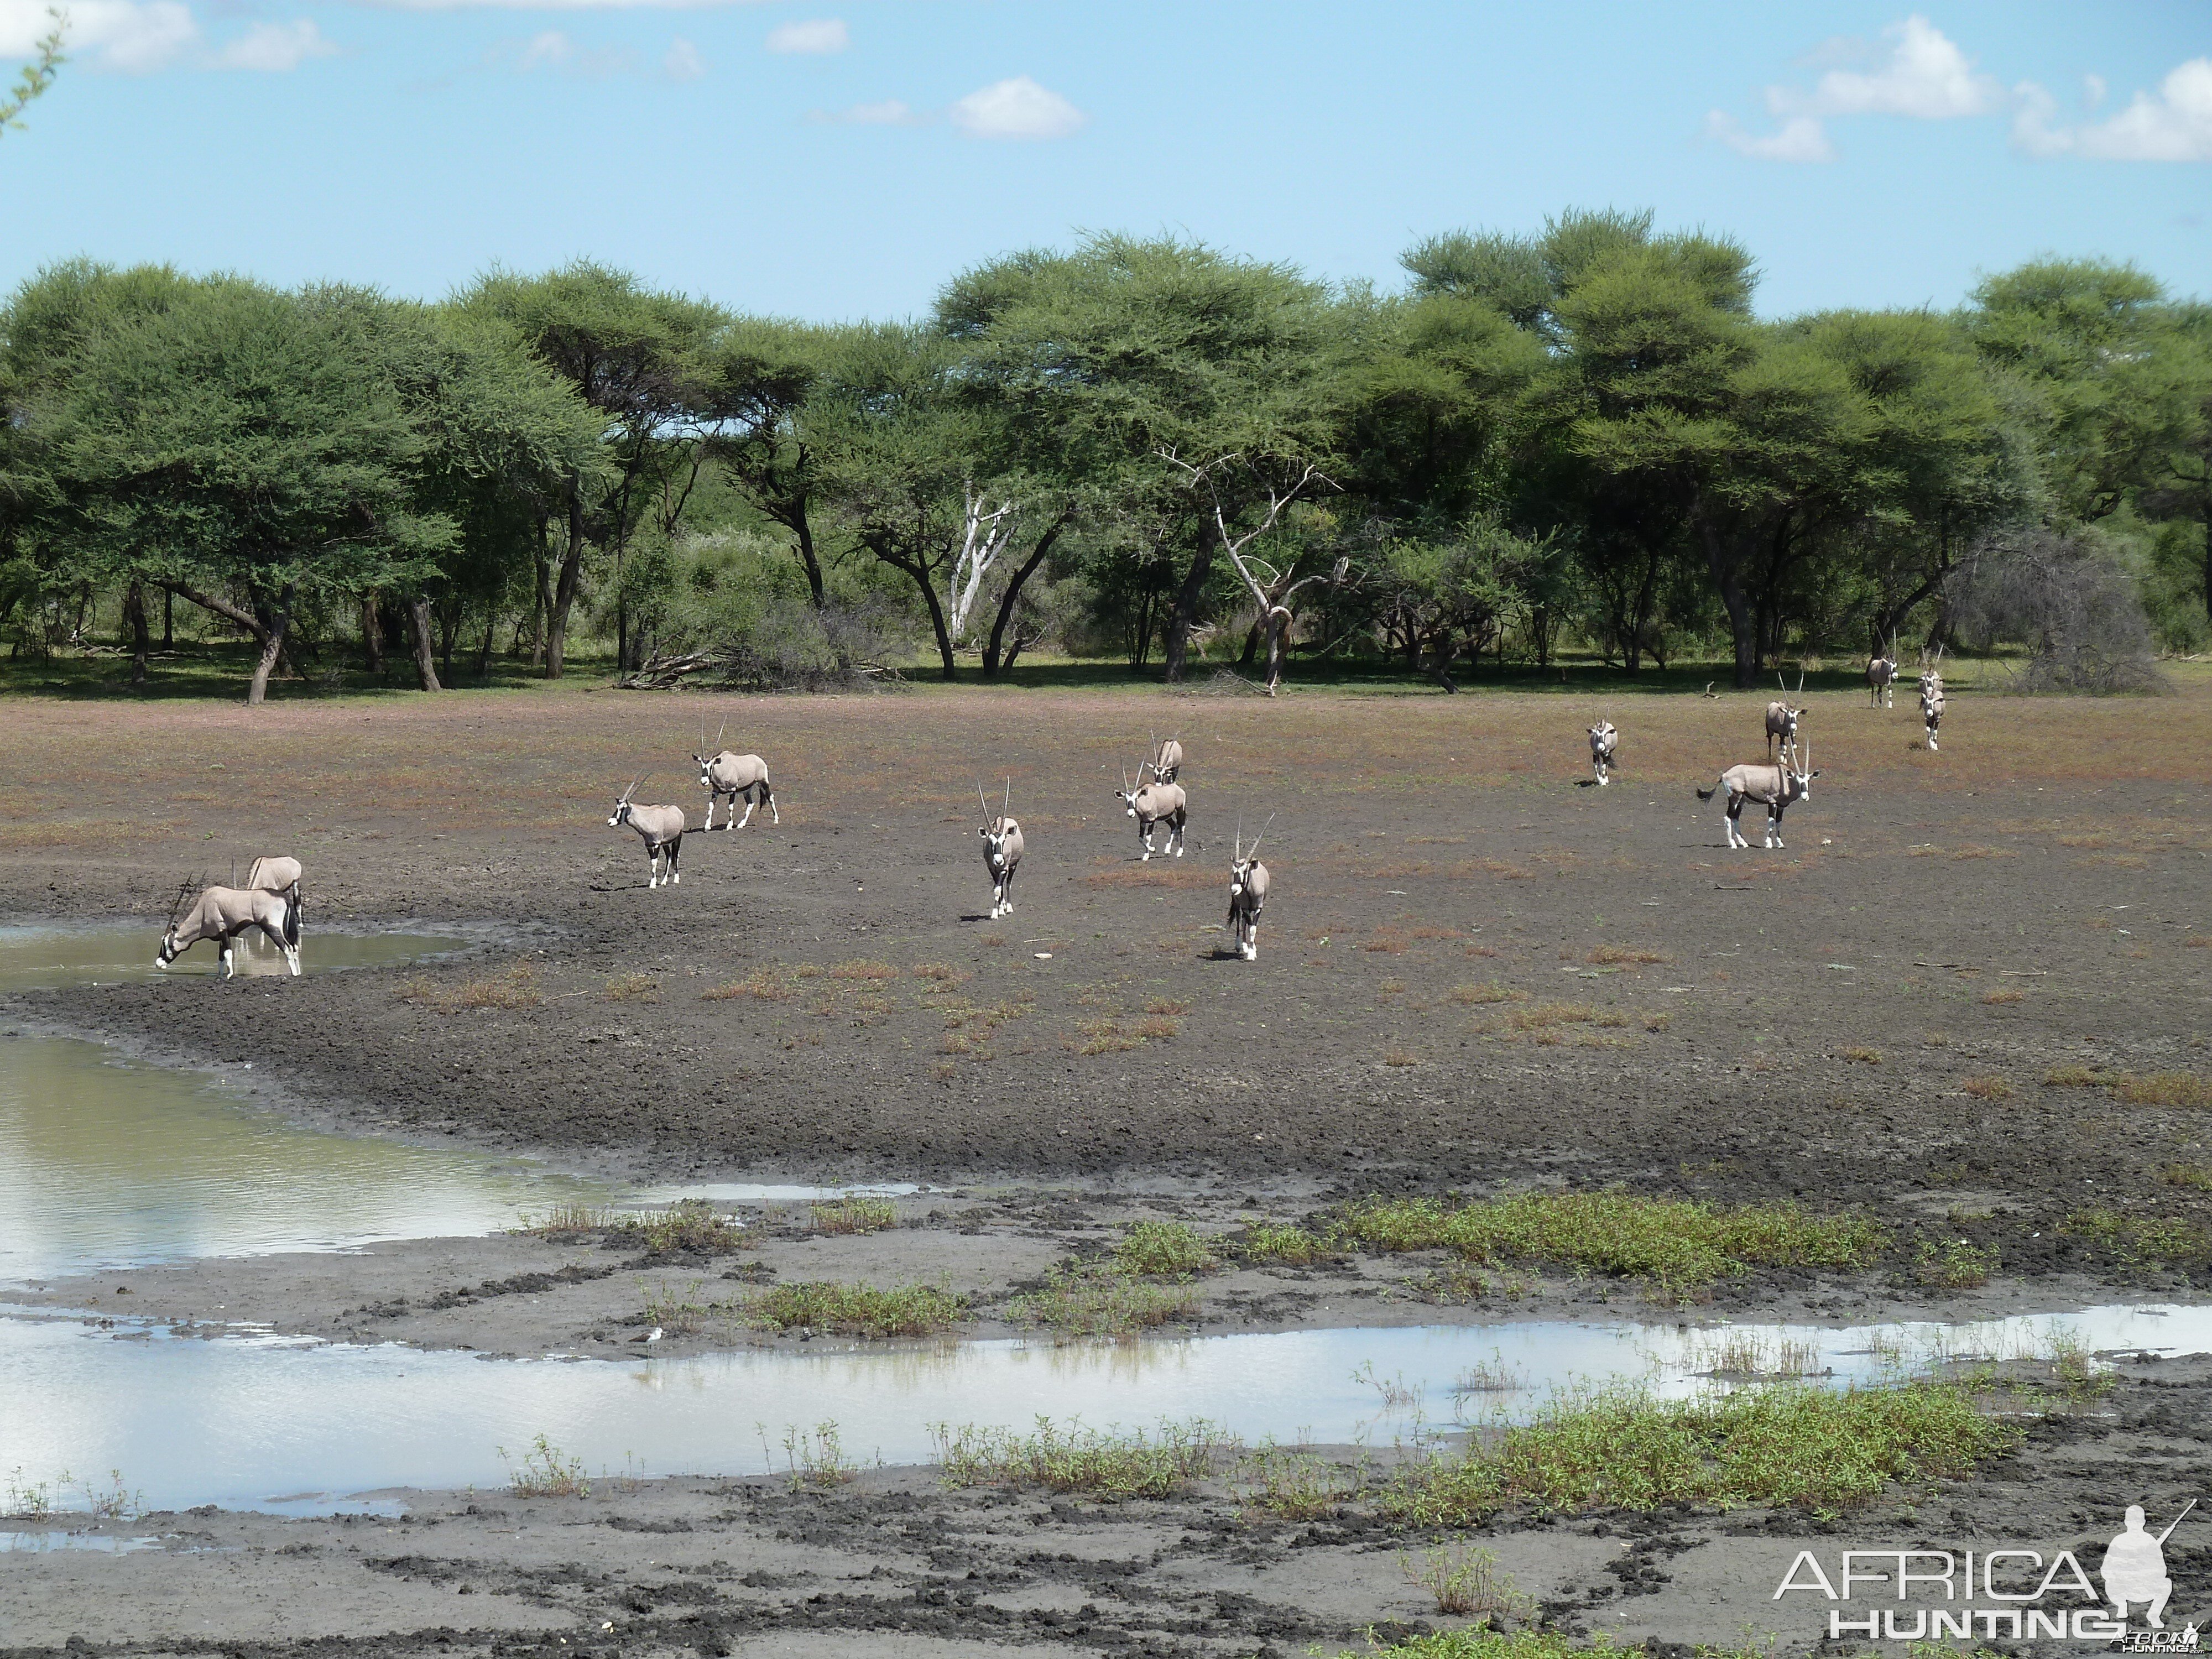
[1146,448]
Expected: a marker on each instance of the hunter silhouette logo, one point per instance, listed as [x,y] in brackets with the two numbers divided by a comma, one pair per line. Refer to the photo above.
[2135,1567]
[2022,1595]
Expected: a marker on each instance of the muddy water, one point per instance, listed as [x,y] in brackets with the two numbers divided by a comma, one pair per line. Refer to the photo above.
[256,1422]
[108,1162]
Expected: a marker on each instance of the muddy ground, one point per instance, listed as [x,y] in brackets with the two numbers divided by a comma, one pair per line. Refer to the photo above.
[1476,971]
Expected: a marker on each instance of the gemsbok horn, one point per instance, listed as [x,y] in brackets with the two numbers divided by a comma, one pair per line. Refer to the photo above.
[1248,892]
[1604,741]
[1775,787]
[732,774]
[1782,719]
[661,828]
[1002,850]
[1156,803]
[222,913]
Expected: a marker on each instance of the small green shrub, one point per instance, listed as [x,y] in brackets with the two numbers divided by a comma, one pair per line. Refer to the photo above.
[1164,1249]
[854,1215]
[1283,1242]
[1093,1300]
[1105,1464]
[857,1309]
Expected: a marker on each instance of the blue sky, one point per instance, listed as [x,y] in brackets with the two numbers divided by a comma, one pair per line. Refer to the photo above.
[842,159]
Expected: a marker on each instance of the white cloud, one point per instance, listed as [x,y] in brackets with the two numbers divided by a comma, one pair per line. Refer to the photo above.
[1018,108]
[2173,124]
[683,61]
[2092,91]
[2176,125]
[135,36]
[1914,70]
[138,37]
[553,50]
[275,48]
[822,35]
[891,112]
[1802,138]
[1924,75]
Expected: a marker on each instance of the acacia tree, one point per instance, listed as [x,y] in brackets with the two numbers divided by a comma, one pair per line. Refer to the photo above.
[244,439]
[643,360]
[1142,360]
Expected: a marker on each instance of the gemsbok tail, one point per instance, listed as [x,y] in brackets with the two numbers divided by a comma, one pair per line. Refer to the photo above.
[1707,794]
[292,915]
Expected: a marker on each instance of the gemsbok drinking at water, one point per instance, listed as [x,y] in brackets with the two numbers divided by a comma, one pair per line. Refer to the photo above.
[222,913]
[661,829]
[1774,786]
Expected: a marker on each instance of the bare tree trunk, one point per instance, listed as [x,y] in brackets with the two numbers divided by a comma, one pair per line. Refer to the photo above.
[426,666]
[992,664]
[1177,648]
[564,591]
[142,642]
[272,647]
[371,636]
[168,620]
[483,656]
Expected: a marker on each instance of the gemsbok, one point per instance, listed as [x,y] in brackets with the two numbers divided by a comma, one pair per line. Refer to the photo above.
[1166,763]
[1782,719]
[661,828]
[1248,894]
[1881,679]
[280,875]
[1774,786]
[1604,741]
[1156,803]
[1931,695]
[222,913]
[1002,850]
[734,774]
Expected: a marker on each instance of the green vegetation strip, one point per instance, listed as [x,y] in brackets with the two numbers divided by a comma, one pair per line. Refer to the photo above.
[857,1309]
[1106,1462]
[1684,1245]
[1786,1446]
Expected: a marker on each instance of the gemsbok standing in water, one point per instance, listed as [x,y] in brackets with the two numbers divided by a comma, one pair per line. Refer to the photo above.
[1604,741]
[280,875]
[1782,719]
[222,913]
[734,774]
[1248,895]
[1002,850]
[1882,678]
[661,828]
[1774,786]
[1931,695]
[1156,803]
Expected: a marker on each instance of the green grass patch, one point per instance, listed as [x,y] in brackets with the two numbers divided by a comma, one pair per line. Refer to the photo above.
[2163,1089]
[1955,1264]
[688,1224]
[2139,1241]
[1096,1300]
[1282,1243]
[1527,1644]
[1102,1462]
[854,1215]
[1164,1249]
[1682,1244]
[857,1309]
[1787,1445]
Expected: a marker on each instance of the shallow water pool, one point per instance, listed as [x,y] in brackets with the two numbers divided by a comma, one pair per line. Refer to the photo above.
[259,1422]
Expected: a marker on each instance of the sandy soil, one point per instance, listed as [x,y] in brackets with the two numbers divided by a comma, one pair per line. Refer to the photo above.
[893,1566]
[1476,970]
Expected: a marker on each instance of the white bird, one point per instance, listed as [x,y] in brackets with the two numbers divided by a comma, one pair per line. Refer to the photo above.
[653,1335]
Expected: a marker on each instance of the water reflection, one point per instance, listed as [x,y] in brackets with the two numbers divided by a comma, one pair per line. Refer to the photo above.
[233,1420]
